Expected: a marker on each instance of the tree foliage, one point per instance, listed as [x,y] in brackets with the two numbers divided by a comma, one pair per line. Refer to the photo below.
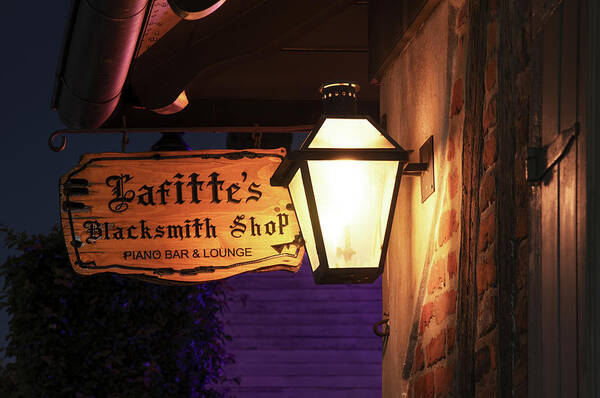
[105,335]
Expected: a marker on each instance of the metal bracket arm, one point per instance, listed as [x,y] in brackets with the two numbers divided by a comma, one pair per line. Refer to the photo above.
[415,169]
[188,129]
[423,169]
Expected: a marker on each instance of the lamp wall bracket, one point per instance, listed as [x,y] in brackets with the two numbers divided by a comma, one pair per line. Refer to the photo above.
[423,169]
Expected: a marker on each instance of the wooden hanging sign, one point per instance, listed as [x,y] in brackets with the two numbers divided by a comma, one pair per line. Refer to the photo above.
[190,216]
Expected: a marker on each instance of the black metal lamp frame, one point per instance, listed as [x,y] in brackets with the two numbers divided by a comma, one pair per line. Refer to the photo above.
[298,160]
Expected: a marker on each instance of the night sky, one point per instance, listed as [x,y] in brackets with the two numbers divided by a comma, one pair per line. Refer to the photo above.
[30,171]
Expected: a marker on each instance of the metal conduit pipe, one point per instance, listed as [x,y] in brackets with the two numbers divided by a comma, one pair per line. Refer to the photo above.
[98,51]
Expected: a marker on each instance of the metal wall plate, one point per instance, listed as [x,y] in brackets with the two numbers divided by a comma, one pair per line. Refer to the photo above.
[427,177]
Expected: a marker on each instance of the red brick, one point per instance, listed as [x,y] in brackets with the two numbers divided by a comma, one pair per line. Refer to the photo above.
[419,363]
[490,153]
[423,387]
[453,183]
[489,115]
[487,189]
[445,304]
[448,226]
[437,277]
[458,100]
[411,389]
[450,337]
[486,317]
[443,380]
[482,362]
[436,349]
[451,148]
[452,264]
[490,73]
[486,273]
[487,229]
[426,314]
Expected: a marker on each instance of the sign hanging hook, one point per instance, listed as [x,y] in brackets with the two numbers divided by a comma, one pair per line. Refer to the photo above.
[124,137]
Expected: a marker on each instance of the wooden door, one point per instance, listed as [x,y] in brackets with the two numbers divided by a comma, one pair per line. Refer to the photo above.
[555,284]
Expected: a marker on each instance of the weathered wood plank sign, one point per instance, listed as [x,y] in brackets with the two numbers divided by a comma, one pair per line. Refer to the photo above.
[179,216]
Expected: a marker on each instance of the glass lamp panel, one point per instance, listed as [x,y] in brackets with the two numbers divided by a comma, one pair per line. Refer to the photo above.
[349,133]
[296,188]
[353,199]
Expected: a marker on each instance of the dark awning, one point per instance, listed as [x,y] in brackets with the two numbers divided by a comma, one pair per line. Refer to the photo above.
[248,62]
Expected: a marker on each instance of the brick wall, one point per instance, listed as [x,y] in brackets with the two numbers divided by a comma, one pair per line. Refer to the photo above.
[433,376]
[422,94]
[501,262]
[486,341]
[467,294]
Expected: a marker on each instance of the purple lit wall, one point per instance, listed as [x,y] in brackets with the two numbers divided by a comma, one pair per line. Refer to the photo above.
[292,338]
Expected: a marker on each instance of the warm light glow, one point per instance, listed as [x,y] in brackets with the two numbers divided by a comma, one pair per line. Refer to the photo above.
[344,176]
[353,202]
[296,189]
[177,106]
[349,133]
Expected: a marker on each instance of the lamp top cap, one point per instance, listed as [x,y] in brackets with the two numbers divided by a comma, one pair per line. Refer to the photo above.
[339,98]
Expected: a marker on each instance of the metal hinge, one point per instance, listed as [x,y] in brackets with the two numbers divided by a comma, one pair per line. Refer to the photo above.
[542,159]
